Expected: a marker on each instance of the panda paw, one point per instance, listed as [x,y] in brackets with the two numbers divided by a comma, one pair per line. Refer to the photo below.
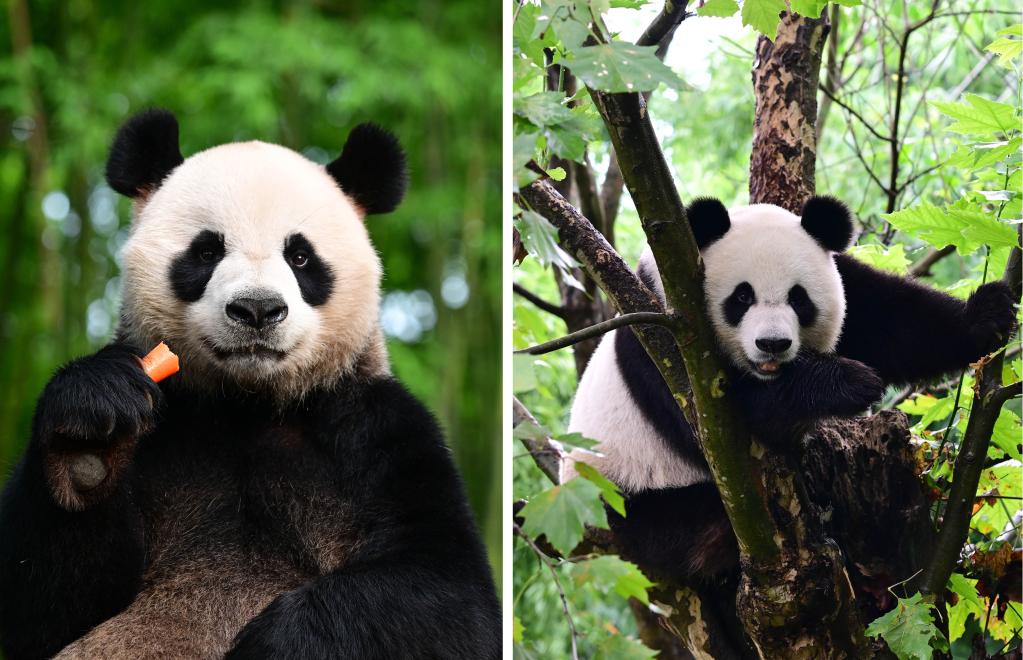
[991,315]
[861,386]
[88,420]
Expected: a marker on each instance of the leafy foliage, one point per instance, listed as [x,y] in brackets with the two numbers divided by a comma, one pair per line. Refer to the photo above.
[908,629]
[958,187]
[621,67]
[562,512]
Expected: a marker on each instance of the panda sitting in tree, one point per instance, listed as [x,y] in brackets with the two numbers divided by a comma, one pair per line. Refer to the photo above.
[283,496]
[809,333]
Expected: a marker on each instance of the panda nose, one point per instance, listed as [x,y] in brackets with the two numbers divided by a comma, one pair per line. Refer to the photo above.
[257,313]
[769,345]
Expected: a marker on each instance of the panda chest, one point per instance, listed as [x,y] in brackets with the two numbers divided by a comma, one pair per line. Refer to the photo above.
[266,494]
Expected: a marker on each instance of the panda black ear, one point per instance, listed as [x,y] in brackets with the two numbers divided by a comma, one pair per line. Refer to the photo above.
[145,150]
[708,219]
[829,222]
[371,169]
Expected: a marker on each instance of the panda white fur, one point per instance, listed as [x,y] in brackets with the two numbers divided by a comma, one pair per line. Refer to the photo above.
[808,332]
[282,496]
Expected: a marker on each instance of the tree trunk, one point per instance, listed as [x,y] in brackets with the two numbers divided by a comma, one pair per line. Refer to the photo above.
[785,77]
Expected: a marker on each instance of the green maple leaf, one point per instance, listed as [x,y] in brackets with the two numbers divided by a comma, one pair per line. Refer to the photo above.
[979,116]
[609,573]
[908,629]
[763,16]
[621,67]
[718,8]
[562,512]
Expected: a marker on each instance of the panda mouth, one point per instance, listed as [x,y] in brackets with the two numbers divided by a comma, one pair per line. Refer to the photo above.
[767,368]
[257,351]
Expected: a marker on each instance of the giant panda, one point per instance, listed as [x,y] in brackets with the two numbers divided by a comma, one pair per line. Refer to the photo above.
[283,496]
[808,332]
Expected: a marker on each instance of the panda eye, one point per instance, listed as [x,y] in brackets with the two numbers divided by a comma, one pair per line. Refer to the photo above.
[745,298]
[207,255]
[299,259]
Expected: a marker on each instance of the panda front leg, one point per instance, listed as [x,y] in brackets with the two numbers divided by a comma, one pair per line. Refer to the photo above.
[72,553]
[411,607]
[910,332]
[814,386]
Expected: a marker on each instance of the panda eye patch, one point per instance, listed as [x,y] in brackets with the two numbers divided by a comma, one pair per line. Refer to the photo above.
[314,276]
[192,269]
[738,302]
[799,301]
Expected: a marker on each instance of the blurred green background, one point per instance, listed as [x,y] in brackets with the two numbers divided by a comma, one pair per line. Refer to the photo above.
[297,73]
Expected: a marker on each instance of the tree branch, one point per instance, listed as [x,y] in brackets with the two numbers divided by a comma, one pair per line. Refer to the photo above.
[661,30]
[557,583]
[548,307]
[988,398]
[922,268]
[622,287]
[900,86]
[652,318]
[848,108]
[545,454]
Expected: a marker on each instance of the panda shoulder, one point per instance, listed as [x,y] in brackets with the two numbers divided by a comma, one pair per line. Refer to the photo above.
[382,418]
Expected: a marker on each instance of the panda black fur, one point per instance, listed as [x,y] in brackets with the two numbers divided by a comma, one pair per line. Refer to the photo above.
[809,332]
[281,497]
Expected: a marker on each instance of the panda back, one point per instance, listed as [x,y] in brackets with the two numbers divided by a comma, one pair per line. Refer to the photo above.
[634,452]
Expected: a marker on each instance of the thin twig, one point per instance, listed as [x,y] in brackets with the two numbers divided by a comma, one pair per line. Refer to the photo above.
[845,106]
[548,307]
[545,454]
[545,560]
[598,329]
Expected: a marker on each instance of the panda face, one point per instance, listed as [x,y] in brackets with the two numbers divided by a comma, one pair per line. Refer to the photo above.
[252,262]
[771,289]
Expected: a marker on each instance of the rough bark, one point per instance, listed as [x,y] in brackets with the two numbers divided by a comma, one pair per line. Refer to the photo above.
[862,475]
[785,78]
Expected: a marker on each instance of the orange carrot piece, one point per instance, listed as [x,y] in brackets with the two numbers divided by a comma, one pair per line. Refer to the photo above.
[160,363]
